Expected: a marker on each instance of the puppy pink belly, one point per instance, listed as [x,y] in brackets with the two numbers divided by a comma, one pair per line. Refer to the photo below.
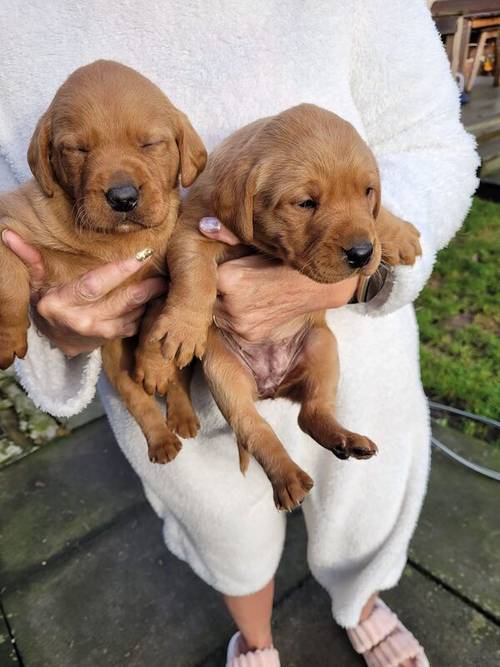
[268,362]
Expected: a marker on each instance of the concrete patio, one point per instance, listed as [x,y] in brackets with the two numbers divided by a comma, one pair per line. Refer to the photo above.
[87,581]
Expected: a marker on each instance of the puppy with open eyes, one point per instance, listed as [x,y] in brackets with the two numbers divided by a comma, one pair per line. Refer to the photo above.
[107,157]
[304,188]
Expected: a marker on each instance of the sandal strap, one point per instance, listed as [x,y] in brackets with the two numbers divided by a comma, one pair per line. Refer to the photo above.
[268,657]
[399,646]
[370,632]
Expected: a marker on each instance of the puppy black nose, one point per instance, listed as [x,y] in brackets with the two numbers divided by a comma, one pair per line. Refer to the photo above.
[122,198]
[359,255]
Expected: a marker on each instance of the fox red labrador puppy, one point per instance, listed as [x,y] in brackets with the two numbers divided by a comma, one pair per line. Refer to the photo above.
[304,188]
[107,157]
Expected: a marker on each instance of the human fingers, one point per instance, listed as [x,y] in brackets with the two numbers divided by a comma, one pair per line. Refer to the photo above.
[124,300]
[97,283]
[212,228]
[29,255]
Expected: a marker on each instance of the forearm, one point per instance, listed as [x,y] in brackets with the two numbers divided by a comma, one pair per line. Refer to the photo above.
[57,385]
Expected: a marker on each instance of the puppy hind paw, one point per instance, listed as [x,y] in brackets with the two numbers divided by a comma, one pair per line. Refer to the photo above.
[154,381]
[353,444]
[290,492]
[185,424]
[165,448]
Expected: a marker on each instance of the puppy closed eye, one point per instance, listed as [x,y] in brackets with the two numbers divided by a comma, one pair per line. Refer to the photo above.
[153,144]
[308,204]
[77,149]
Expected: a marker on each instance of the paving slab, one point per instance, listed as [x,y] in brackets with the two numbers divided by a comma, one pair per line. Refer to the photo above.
[61,493]
[453,634]
[458,535]
[122,599]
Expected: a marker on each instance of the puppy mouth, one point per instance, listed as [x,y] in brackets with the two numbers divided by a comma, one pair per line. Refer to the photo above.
[114,222]
[326,275]
[334,272]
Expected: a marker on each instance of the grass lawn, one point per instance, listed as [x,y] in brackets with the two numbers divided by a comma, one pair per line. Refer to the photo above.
[459,317]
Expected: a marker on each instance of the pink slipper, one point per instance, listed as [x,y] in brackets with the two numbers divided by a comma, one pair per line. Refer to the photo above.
[383,640]
[267,657]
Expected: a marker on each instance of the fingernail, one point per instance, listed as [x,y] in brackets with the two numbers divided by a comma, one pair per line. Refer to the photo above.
[5,240]
[210,224]
[143,254]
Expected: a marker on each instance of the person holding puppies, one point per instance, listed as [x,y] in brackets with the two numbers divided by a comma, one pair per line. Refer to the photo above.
[226,69]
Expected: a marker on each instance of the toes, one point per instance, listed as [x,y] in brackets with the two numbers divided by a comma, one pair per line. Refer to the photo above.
[339,447]
[291,493]
[160,329]
[165,451]
[169,348]
[200,350]
[186,428]
[361,447]
[185,354]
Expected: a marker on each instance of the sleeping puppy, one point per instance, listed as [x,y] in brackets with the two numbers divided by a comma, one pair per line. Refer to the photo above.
[106,156]
[304,188]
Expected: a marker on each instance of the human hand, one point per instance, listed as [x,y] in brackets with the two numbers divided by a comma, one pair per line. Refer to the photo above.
[82,315]
[258,295]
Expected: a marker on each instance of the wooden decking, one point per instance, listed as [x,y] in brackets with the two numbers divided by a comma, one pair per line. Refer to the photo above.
[87,581]
[481,116]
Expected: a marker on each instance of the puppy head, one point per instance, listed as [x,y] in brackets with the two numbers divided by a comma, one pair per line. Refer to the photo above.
[308,192]
[113,142]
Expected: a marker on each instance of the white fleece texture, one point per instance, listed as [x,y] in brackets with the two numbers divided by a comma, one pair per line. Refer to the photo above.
[380,65]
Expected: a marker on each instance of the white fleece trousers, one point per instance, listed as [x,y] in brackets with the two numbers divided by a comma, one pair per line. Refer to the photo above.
[360,515]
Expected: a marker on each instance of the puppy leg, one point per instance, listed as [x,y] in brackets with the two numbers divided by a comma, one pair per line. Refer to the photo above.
[234,390]
[399,239]
[313,383]
[14,305]
[118,361]
[181,416]
[152,371]
[183,323]
[159,376]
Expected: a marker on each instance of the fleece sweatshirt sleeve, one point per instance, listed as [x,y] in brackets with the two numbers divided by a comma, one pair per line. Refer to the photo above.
[63,387]
[409,106]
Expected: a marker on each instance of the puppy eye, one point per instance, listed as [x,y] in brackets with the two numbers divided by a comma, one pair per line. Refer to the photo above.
[150,144]
[369,191]
[308,203]
[76,149]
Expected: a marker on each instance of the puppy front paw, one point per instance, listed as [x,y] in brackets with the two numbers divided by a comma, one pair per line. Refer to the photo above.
[404,246]
[183,336]
[13,343]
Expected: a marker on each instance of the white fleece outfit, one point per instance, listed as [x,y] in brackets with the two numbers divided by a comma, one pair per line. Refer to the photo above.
[379,64]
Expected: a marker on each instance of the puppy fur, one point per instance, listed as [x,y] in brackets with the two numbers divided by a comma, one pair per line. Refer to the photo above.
[107,127]
[304,188]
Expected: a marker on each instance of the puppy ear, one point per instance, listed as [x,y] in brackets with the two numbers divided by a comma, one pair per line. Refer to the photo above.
[39,155]
[243,221]
[236,186]
[192,152]
[377,203]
